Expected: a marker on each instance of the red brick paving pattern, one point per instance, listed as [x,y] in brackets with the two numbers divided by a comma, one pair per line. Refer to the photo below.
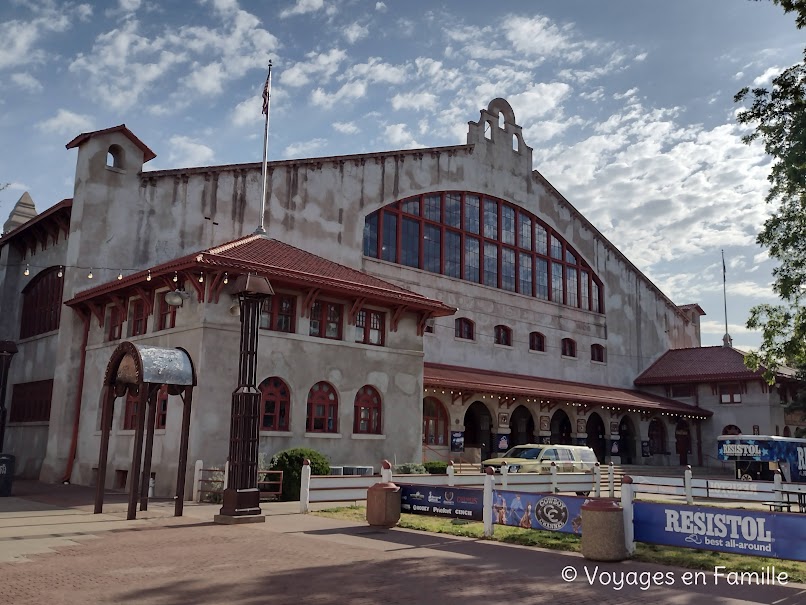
[185,562]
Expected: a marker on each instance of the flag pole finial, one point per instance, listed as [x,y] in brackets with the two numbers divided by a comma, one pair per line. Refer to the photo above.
[727,341]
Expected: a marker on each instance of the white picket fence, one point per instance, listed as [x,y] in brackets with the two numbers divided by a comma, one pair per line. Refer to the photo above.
[341,489]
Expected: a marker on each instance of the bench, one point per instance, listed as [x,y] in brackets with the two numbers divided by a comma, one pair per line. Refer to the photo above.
[779,506]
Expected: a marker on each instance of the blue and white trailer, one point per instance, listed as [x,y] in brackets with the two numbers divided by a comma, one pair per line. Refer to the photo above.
[757,457]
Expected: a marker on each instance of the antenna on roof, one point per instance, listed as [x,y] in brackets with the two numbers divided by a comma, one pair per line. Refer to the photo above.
[266,105]
[727,341]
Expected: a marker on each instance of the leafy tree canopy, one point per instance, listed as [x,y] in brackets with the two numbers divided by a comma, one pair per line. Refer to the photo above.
[778,115]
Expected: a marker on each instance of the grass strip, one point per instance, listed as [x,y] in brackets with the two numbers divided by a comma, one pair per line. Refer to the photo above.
[689,558]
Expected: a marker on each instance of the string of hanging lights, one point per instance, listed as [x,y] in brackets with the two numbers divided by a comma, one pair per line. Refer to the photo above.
[91,275]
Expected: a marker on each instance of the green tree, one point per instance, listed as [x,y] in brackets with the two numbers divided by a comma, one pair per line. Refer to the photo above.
[778,115]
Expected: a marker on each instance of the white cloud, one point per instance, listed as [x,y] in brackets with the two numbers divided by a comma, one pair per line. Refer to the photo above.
[27,82]
[302,7]
[186,151]
[767,76]
[346,127]
[66,123]
[538,100]
[351,90]
[319,66]
[414,100]
[19,38]
[355,32]
[399,136]
[380,6]
[540,38]
[129,6]
[375,70]
[640,57]
[624,95]
[304,148]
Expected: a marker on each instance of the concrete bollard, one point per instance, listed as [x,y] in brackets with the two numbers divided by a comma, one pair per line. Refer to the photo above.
[603,531]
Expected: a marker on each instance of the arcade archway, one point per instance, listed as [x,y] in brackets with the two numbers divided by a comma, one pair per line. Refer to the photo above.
[682,434]
[522,427]
[596,436]
[478,425]
[561,428]
[626,440]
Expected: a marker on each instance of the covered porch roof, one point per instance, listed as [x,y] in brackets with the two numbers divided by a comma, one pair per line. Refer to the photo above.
[509,387]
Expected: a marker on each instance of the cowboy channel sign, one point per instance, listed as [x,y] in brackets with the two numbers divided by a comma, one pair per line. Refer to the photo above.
[538,511]
[451,502]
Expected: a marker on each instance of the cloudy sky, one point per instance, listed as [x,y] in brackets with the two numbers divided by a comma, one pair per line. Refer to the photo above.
[627,103]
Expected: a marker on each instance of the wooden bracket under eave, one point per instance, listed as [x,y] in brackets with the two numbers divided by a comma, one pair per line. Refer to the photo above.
[310,297]
[194,281]
[147,296]
[98,312]
[424,317]
[393,323]
[456,396]
[359,302]
[214,290]
[122,305]
[547,407]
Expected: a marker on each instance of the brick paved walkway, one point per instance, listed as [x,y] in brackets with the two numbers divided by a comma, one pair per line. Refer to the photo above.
[309,560]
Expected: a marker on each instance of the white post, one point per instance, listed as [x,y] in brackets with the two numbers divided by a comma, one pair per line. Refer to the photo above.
[450,471]
[504,476]
[151,486]
[611,480]
[627,493]
[305,487]
[386,471]
[197,472]
[778,486]
[554,488]
[487,514]
[597,480]
[226,474]
[687,485]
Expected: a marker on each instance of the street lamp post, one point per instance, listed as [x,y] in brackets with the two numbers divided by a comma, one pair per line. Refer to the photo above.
[7,351]
[241,494]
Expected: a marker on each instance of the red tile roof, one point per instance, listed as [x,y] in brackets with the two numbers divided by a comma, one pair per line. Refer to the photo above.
[84,136]
[58,213]
[698,364]
[282,263]
[497,383]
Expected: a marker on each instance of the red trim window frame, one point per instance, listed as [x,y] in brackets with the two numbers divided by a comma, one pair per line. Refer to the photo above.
[275,405]
[503,335]
[569,347]
[41,303]
[464,328]
[115,324]
[161,412]
[167,317]
[327,320]
[30,401]
[435,422]
[279,313]
[730,393]
[597,353]
[139,320]
[370,327]
[485,240]
[367,410]
[537,342]
[323,409]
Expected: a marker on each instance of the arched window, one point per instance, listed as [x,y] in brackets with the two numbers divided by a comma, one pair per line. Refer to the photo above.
[484,240]
[41,303]
[503,335]
[435,422]
[597,353]
[114,157]
[367,411]
[275,404]
[464,328]
[537,342]
[569,348]
[731,429]
[323,409]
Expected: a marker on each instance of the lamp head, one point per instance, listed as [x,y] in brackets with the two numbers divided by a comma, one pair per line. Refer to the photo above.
[176,298]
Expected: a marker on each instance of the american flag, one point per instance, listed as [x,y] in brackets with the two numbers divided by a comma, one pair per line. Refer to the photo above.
[267,92]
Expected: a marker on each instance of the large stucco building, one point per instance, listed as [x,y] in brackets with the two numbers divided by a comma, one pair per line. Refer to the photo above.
[421,297]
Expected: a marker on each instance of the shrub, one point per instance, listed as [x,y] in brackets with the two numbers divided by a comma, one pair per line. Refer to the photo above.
[436,467]
[410,468]
[290,462]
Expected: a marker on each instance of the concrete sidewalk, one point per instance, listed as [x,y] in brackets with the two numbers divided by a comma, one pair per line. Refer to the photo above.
[304,559]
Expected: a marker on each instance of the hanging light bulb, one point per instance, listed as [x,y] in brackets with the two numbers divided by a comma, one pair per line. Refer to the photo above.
[176,277]
[226,279]
[148,277]
[61,272]
[27,270]
[201,278]
[89,275]
[120,275]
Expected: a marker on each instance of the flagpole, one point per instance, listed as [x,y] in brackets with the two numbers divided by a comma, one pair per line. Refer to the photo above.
[725,291]
[266,105]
